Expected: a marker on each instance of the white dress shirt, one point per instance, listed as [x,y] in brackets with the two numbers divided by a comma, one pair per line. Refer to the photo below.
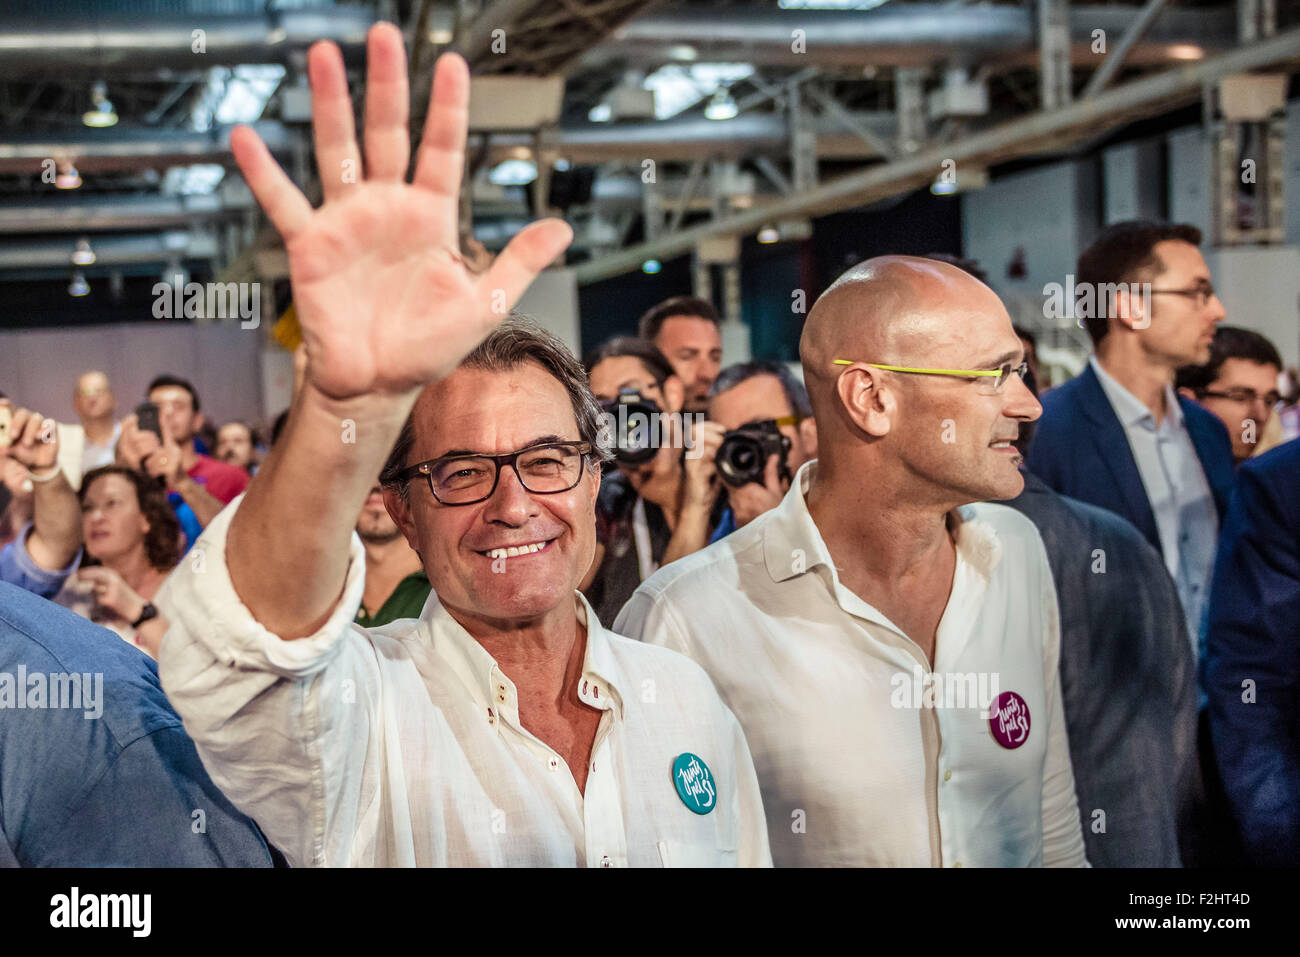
[402,745]
[1177,490]
[852,771]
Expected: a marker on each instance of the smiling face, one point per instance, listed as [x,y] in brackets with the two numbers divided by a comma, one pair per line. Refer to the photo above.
[956,434]
[554,536]
[111,519]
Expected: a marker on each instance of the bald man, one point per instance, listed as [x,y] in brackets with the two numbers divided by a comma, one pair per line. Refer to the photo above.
[890,649]
[96,408]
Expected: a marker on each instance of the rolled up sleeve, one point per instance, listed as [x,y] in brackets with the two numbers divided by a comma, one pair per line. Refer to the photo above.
[285,728]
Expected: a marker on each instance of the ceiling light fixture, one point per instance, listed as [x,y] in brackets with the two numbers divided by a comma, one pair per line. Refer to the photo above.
[651,266]
[768,234]
[83,255]
[67,177]
[101,113]
[78,287]
[721,107]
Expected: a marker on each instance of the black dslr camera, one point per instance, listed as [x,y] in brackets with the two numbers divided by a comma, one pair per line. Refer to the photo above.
[742,457]
[634,427]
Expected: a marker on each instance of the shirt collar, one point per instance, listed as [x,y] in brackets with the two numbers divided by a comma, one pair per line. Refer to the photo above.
[1128,409]
[793,545]
[598,686]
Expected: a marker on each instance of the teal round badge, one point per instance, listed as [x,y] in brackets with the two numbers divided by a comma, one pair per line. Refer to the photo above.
[694,783]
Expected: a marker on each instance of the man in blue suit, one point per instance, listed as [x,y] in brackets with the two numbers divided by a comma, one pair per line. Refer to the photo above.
[1252,661]
[1117,436]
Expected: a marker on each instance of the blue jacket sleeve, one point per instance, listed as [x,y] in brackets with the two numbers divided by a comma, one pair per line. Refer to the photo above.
[1252,665]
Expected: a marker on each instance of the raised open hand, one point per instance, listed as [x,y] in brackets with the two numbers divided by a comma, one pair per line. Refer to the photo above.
[385,303]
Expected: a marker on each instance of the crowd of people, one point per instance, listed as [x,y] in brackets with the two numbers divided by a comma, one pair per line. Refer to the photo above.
[892,608]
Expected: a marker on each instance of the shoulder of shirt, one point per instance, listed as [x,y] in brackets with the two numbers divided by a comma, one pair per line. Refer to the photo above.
[640,656]
[700,569]
[1012,527]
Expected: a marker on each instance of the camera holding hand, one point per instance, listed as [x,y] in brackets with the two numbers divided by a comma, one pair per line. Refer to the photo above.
[744,452]
[634,432]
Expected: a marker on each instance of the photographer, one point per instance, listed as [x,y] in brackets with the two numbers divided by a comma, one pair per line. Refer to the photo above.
[762,406]
[658,506]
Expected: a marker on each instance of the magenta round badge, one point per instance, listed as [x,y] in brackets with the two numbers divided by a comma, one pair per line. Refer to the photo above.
[1009,720]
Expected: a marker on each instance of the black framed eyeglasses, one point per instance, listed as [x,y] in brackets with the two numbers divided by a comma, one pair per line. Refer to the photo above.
[1244,395]
[1202,293]
[468,479]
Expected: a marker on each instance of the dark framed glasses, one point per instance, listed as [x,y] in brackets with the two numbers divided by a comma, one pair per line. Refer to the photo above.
[468,479]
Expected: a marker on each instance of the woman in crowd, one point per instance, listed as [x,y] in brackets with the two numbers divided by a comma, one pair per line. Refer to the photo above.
[132,541]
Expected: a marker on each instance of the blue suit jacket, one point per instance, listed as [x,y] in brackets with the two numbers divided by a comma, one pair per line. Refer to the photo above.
[1079,449]
[1252,658]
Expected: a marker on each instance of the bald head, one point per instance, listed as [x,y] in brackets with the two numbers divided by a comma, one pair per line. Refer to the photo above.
[898,310]
[938,438]
[93,397]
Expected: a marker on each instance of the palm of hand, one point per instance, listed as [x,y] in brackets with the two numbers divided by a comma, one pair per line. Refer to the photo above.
[382,308]
[384,301]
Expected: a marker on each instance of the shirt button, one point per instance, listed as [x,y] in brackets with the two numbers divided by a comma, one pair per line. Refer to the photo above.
[501,697]
[554,764]
[604,861]
[947,775]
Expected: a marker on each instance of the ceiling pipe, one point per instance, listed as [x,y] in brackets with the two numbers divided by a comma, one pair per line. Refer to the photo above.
[913,34]
[93,213]
[103,44]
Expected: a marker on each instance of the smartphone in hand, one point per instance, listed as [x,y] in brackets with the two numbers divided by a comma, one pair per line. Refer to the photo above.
[146,415]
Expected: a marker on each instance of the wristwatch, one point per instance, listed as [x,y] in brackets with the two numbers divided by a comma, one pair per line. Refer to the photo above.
[147,613]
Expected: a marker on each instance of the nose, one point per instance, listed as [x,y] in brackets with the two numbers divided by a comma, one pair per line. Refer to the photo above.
[511,504]
[1020,402]
[1218,312]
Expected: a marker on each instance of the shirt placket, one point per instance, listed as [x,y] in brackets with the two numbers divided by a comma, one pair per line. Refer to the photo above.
[602,808]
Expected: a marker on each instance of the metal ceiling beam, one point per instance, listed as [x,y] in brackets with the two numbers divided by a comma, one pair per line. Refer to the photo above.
[104,44]
[110,250]
[131,148]
[1115,58]
[1033,134]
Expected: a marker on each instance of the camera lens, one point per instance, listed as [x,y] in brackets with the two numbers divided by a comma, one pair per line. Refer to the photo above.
[741,459]
[631,423]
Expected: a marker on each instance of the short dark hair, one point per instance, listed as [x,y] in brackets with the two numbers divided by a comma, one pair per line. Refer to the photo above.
[649,325]
[519,340]
[173,380]
[634,347]
[162,541]
[1230,342]
[795,392]
[1121,252]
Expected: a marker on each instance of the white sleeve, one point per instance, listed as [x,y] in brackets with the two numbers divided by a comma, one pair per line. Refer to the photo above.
[645,618]
[1062,829]
[285,728]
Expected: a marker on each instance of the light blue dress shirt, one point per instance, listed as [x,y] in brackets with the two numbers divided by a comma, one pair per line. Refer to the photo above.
[1178,492]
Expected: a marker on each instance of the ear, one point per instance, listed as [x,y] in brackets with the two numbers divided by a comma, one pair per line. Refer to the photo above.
[400,512]
[865,400]
[674,394]
[197,422]
[808,432]
[1133,312]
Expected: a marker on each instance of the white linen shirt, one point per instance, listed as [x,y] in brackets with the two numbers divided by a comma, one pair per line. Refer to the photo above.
[402,745]
[852,772]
